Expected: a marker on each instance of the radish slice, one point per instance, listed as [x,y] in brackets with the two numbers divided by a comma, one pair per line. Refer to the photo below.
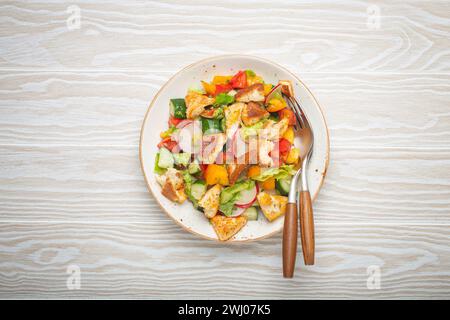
[248,197]
[275,90]
[189,136]
[183,124]
[237,211]
[185,139]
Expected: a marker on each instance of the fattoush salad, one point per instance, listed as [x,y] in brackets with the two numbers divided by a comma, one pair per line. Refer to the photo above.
[229,150]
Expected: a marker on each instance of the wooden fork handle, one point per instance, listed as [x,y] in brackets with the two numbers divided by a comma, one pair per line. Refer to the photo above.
[307,227]
[290,240]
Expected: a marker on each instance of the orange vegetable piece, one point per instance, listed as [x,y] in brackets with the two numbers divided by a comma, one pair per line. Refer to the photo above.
[267,88]
[210,88]
[221,79]
[269,184]
[216,174]
[276,105]
[253,171]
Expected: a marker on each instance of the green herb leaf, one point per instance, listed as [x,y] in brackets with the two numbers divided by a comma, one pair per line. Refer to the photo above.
[223,99]
[250,73]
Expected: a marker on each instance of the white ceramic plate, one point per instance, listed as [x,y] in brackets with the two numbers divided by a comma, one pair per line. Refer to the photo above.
[156,121]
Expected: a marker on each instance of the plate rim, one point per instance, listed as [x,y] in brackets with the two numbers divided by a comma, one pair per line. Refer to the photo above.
[205,60]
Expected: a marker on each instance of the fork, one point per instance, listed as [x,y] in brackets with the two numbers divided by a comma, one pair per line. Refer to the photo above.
[306,212]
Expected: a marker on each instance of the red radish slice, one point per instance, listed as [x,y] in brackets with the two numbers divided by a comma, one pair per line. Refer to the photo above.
[187,131]
[238,145]
[248,197]
[274,90]
[185,139]
[183,123]
[237,211]
[246,206]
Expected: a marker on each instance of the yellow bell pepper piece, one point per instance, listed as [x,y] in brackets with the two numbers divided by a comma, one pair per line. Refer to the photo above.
[221,79]
[253,80]
[276,105]
[267,88]
[210,88]
[289,135]
[293,156]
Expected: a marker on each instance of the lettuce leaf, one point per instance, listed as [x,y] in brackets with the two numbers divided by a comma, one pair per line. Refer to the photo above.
[230,195]
[188,181]
[252,130]
[281,172]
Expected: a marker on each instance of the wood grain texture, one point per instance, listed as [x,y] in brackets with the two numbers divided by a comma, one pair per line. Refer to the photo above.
[156,260]
[71,107]
[93,108]
[84,184]
[413,36]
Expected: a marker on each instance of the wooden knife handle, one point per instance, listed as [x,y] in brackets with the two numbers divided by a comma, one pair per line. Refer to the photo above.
[307,227]
[290,240]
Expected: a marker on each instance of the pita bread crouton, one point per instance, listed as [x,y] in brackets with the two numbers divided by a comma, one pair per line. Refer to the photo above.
[196,103]
[173,187]
[210,201]
[273,206]
[226,227]
[255,92]
[252,113]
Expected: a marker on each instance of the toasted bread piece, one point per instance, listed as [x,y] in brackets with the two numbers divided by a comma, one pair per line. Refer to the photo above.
[274,130]
[273,206]
[232,118]
[212,146]
[173,186]
[235,170]
[255,92]
[252,113]
[210,201]
[196,103]
[264,148]
[226,227]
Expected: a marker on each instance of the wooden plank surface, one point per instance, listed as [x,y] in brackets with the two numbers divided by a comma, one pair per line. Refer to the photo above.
[156,260]
[166,35]
[92,108]
[106,185]
[72,102]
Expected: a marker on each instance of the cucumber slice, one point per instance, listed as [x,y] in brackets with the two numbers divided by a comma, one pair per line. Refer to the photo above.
[157,169]
[198,189]
[182,159]
[165,158]
[283,186]
[194,168]
[211,126]
[251,213]
[178,108]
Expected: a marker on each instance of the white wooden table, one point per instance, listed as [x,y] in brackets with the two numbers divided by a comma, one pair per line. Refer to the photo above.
[72,99]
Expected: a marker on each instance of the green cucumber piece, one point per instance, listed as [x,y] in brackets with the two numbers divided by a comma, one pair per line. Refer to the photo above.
[165,158]
[182,159]
[211,126]
[251,214]
[194,168]
[157,169]
[178,108]
[198,189]
[283,186]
